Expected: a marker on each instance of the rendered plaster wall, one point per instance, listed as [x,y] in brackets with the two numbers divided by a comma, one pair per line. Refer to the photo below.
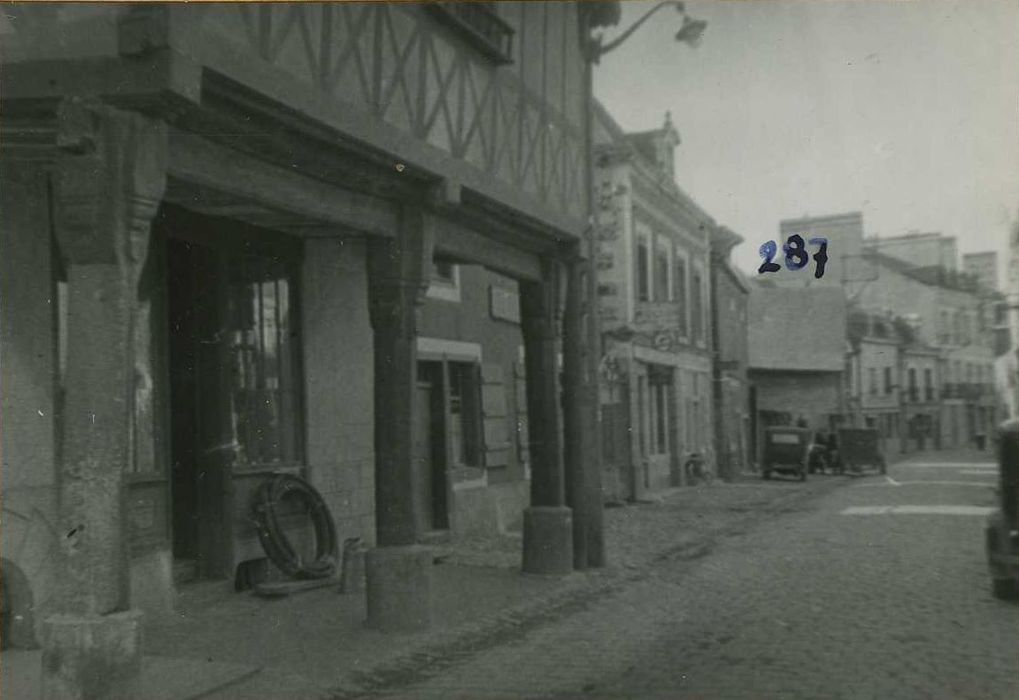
[339,379]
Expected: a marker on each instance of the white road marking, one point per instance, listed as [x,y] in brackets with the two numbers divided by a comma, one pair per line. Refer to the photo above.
[917,510]
[948,465]
[979,472]
[891,481]
[980,484]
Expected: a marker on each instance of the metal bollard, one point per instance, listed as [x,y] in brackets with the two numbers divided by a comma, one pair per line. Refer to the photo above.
[352,574]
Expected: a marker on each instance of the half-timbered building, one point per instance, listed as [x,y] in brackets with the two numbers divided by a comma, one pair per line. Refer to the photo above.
[228,233]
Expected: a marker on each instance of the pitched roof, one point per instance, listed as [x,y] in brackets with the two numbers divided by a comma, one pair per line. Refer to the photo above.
[800,329]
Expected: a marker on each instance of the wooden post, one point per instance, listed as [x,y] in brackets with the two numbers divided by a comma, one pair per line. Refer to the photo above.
[107,186]
[548,539]
[398,570]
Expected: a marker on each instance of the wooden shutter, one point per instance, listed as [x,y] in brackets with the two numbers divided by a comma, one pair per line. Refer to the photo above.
[495,417]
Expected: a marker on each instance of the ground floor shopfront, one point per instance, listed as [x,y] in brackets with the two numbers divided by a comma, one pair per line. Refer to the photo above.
[182,317]
[656,415]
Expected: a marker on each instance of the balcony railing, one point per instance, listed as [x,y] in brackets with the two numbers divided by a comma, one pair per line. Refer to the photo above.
[479,24]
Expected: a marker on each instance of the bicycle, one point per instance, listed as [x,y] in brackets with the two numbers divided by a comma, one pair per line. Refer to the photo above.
[696,471]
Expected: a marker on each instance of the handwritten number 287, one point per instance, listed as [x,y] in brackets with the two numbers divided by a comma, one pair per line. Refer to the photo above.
[796,256]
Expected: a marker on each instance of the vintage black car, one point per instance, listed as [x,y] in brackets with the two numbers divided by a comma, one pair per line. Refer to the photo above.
[860,448]
[786,451]
[1002,530]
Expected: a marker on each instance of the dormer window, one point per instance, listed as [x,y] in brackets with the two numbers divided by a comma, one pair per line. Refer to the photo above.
[480,25]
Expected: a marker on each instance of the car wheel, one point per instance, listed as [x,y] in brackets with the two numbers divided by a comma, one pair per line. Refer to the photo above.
[1005,588]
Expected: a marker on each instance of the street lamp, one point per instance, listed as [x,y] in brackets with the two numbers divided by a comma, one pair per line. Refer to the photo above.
[690,32]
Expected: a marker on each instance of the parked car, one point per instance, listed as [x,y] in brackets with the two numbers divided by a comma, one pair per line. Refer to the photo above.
[786,451]
[1002,530]
[859,448]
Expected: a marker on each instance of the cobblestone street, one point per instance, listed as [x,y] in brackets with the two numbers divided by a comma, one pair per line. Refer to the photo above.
[836,599]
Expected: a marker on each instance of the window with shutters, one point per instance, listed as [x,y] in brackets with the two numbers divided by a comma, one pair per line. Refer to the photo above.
[464,415]
[661,274]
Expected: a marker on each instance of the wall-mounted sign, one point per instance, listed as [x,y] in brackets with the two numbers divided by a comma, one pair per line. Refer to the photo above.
[504,304]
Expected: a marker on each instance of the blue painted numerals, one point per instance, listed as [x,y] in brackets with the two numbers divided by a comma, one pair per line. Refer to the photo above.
[796,255]
[767,251]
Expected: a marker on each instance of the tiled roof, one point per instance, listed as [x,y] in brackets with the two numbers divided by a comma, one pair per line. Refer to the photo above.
[797,329]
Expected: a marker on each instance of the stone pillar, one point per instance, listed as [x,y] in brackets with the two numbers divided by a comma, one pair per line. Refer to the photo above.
[398,571]
[548,522]
[582,437]
[107,185]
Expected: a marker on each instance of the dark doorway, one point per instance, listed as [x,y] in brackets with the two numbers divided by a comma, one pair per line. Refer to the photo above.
[199,413]
[235,378]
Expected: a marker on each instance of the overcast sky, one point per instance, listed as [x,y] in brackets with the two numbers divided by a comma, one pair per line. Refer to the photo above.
[906,111]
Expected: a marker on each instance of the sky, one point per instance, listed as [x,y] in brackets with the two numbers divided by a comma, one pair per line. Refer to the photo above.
[905,110]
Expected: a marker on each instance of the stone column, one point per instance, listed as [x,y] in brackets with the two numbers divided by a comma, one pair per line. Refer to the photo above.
[398,570]
[548,523]
[582,437]
[107,185]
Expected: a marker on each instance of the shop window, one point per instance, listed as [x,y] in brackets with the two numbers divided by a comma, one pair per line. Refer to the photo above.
[264,351]
[660,379]
[642,417]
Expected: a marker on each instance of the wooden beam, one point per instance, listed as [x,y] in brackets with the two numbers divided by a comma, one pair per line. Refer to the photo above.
[461,242]
[204,163]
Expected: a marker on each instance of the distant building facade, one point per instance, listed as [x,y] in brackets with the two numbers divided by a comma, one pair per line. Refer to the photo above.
[892,381]
[844,234]
[797,342]
[983,267]
[946,312]
[654,281]
[919,249]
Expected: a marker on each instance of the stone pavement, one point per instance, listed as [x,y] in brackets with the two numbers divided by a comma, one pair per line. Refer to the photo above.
[313,645]
[815,603]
